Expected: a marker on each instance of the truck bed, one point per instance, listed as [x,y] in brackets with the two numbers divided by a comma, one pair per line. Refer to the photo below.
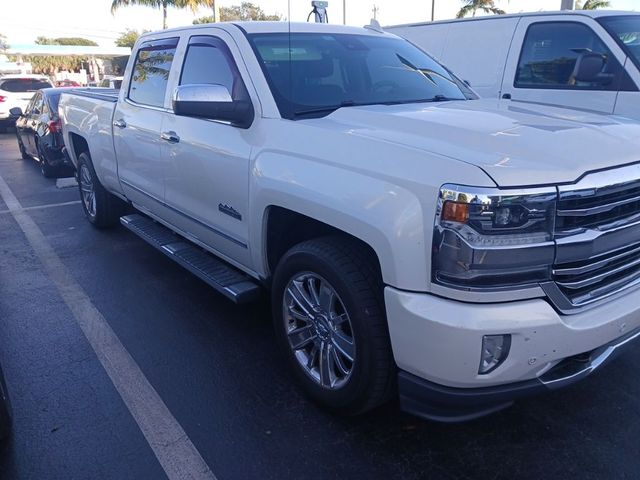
[108,94]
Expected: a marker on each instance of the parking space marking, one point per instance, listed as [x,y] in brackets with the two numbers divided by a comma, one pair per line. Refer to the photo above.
[48,205]
[172,447]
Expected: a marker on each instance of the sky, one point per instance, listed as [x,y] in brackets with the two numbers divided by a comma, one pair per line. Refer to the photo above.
[21,21]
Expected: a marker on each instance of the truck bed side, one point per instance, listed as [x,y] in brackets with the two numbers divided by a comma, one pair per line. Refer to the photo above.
[87,115]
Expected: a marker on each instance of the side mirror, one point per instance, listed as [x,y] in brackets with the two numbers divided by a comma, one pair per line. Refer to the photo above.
[15,111]
[590,68]
[214,102]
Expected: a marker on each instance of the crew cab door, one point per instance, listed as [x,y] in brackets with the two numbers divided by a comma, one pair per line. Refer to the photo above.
[137,123]
[207,175]
[543,64]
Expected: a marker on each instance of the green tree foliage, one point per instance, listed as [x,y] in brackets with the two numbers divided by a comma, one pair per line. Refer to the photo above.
[592,4]
[162,4]
[66,41]
[128,38]
[472,6]
[246,11]
[51,64]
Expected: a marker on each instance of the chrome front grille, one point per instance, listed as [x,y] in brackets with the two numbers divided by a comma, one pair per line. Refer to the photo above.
[590,280]
[597,238]
[597,207]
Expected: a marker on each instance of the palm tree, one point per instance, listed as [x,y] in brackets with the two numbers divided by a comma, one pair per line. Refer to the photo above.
[471,6]
[592,4]
[164,4]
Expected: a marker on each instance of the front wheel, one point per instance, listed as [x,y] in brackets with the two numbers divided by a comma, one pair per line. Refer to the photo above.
[21,147]
[101,208]
[330,322]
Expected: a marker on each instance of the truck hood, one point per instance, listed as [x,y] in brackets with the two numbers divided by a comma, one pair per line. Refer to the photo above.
[516,144]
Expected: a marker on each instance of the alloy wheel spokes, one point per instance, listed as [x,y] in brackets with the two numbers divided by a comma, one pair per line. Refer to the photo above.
[87,190]
[319,330]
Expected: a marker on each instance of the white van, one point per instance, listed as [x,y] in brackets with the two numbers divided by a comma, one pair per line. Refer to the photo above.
[583,59]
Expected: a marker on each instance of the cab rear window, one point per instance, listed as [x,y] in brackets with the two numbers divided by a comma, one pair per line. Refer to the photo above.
[17,85]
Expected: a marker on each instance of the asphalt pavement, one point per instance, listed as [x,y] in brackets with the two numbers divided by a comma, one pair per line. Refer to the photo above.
[214,366]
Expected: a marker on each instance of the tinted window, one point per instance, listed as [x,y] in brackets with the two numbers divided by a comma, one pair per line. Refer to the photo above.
[550,54]
[208,60]
[17,85]
[626,31]
[309,71]
[38,104]
[151,72]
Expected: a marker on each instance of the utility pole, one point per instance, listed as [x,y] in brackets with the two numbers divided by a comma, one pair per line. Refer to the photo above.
[375,12]
[567,4]
[433,10]
[344,12]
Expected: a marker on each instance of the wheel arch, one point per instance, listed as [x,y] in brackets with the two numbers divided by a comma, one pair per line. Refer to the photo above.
[279,236]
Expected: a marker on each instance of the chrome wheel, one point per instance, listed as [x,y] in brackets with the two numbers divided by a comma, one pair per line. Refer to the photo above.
[319,330]
[87,190]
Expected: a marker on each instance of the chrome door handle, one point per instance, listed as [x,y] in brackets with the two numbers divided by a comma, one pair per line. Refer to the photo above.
[171,137]
[120,124]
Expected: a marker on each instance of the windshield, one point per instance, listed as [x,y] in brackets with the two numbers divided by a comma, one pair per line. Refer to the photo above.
[20,85]
[626,31]
[312,74]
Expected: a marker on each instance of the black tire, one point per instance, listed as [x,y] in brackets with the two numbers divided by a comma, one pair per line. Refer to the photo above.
[23,151]
[47,170]
[353,276]
[108,208]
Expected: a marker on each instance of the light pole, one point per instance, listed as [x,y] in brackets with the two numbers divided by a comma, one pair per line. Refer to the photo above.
[567,5]
[433,10]
[344,12]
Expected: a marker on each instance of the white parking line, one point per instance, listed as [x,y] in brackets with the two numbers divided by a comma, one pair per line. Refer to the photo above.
[177,455]
[48,205]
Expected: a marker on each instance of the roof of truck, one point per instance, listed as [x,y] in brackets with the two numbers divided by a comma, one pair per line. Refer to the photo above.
[273,27]
[586,13]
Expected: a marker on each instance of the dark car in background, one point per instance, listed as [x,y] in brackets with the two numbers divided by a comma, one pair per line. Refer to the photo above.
[39,133]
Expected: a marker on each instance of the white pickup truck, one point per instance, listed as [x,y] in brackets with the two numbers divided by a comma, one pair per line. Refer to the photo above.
[413,238]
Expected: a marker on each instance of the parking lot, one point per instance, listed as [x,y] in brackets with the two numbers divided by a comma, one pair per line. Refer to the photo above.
[214,366]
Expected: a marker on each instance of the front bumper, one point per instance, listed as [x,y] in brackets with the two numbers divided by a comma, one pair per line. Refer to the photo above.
[437,346]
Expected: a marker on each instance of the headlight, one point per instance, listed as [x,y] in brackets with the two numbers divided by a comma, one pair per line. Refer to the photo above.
[493,238]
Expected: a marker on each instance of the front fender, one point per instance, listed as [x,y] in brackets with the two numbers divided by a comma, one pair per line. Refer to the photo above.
[384,215]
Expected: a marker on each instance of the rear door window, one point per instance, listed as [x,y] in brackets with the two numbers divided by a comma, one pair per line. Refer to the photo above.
[151,70]
[551,51]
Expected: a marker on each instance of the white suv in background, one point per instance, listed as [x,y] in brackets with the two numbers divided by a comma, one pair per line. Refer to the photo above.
[17,91]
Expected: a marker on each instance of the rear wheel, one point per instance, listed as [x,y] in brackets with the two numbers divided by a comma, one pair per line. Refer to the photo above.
[329,319]
[48,171]
[101,208]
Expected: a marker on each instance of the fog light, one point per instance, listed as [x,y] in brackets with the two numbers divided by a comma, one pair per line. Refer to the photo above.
[495,349]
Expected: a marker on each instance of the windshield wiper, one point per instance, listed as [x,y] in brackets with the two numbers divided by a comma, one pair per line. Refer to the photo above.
[443,98]
[435,98]
[328,108]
